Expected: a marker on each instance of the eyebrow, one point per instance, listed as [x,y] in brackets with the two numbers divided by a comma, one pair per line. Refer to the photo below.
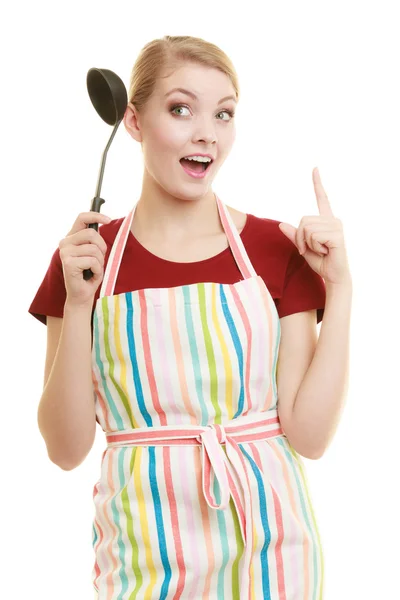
[192,95]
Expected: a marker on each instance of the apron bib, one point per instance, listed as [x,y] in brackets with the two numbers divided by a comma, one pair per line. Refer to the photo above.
[200,493]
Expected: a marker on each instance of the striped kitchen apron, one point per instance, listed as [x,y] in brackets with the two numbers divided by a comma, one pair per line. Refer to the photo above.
[200,494]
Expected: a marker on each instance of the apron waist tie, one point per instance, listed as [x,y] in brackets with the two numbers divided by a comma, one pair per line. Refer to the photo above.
[229,469]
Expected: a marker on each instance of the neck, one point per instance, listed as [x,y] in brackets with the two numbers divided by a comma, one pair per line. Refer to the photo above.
[160,214]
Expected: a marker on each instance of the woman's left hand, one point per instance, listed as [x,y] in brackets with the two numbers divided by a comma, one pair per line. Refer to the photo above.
[320,239]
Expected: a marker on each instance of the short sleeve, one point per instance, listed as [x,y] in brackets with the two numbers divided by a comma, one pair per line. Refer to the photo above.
[51,295]
[303,288]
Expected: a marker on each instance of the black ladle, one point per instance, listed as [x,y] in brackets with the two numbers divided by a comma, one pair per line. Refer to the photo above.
[109,97]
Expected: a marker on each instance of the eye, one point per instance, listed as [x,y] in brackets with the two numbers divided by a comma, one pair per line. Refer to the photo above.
[229,112]
[178,106]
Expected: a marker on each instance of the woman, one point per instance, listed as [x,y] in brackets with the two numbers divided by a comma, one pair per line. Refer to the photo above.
[202,492]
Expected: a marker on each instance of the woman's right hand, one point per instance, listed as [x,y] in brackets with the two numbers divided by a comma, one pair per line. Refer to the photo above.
[83,248]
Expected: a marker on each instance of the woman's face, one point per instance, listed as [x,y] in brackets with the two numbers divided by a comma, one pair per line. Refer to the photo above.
[173,125]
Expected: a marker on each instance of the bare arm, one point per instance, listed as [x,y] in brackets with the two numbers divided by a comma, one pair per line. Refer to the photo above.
[321,396]
[313,371]
[66,412]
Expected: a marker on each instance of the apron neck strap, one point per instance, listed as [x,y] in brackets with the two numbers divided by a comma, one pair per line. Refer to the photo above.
[235,242]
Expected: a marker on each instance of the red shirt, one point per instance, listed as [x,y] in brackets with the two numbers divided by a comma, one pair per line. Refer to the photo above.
[293,285]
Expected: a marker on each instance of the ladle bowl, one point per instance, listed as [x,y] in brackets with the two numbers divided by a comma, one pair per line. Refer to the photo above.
[108,94]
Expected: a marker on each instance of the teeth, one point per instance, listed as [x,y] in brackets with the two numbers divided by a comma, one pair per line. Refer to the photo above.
[198,158]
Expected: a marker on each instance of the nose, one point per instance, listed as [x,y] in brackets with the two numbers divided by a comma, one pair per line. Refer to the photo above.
[205,131]
[208,139]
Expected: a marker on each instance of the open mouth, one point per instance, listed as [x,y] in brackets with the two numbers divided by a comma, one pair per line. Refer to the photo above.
[194,165]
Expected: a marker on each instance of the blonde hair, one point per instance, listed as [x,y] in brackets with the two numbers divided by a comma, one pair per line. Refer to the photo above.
[171,52]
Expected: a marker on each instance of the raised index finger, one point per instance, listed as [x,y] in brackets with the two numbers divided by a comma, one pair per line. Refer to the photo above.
[324,206]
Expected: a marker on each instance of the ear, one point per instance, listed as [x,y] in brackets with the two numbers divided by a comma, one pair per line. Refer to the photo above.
[131,122]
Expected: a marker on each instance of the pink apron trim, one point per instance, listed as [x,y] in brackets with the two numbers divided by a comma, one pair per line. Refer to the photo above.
[114,260]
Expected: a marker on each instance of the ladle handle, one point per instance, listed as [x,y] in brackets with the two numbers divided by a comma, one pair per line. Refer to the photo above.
[96,204]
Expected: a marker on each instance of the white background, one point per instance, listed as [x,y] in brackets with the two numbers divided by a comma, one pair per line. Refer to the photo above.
[320,87]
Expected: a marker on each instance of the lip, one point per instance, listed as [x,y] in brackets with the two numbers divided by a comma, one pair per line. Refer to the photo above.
[194,173]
